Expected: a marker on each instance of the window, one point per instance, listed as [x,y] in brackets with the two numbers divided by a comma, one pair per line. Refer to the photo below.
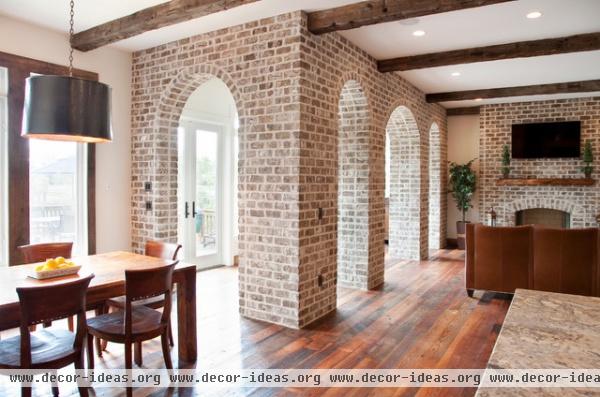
[57,202]
[46,187]
[3,165]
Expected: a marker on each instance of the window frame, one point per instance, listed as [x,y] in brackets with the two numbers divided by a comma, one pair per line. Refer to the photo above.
[17,182]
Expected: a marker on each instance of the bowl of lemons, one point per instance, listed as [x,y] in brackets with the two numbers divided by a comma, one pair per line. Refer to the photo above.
[55,267]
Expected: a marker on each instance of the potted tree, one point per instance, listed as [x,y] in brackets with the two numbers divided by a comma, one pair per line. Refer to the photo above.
[505,161]
[463,183]
[588,160]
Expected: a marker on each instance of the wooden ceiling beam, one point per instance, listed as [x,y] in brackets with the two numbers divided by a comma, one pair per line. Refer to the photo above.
[523,49]
[467,111]
[150,18]
[539,89]
[372,12]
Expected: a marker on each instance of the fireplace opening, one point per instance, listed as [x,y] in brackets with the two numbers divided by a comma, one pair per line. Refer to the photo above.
[545,217]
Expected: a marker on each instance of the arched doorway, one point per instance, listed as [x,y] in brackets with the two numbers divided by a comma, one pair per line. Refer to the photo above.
[435,188]
[353,187]
[207,175]
[404,224]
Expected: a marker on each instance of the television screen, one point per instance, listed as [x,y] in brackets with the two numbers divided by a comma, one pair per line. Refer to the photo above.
[546,140]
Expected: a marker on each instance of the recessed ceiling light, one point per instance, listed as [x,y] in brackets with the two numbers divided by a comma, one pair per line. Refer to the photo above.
[455,74]
[478,99]
[419,33]
[534,15]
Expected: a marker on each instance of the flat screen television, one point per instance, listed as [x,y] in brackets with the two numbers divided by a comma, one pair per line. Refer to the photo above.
[546,140]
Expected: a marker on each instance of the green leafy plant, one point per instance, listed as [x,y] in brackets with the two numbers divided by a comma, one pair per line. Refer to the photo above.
[588,159]
[505,161]
[463,183]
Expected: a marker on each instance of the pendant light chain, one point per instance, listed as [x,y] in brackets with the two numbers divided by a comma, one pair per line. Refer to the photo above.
[71,32]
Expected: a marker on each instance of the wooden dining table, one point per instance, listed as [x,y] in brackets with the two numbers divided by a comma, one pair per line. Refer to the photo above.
[109,282]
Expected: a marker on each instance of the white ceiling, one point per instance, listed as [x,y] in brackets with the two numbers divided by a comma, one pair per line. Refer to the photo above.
[501,23]
[497,24]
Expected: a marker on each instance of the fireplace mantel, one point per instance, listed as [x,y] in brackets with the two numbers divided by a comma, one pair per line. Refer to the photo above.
[545,182]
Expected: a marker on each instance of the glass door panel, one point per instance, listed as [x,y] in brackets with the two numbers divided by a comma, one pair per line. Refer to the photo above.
[204,206]
[200,192]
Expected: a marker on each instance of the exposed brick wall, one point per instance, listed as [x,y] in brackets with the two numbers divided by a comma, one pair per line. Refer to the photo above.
[328,63]
[259,62]
[353,187]
[287,85]
[495,126]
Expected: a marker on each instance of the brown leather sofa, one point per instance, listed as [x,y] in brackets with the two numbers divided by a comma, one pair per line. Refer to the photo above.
[503,259]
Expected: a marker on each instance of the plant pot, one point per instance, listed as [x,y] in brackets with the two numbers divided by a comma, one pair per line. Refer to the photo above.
[461,230]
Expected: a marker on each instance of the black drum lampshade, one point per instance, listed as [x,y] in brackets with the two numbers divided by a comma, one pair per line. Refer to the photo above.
[64,108]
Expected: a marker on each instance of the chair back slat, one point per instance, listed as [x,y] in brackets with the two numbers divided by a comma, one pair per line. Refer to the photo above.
[40,252]
[52,302]
[160,249]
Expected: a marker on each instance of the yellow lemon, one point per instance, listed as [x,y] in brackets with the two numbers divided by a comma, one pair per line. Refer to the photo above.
[60,260]
[63,265]
[70,264]
[51,264]
[40,268]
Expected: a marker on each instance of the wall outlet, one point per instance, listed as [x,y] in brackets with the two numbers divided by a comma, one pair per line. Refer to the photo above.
[147,186]
[320,213]
[148,205]
[320,280]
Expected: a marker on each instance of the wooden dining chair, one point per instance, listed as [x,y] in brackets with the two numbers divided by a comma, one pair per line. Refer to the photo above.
[48,348]
[34,253]
[157,249]
[160,249]
[137,323]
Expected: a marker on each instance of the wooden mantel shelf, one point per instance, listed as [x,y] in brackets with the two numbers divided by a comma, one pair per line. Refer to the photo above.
[545,182]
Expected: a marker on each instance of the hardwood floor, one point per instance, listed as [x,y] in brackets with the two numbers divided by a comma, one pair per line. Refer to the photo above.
[420,318]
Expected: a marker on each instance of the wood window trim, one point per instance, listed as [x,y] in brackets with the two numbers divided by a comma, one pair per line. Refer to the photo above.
[19,68]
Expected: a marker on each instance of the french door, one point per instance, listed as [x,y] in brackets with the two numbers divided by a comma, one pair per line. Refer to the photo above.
[201,192]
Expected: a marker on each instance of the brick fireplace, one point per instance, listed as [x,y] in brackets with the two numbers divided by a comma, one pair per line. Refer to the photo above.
[581,203]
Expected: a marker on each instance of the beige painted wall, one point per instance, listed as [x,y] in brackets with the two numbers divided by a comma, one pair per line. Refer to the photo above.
[113,161]
[463,145]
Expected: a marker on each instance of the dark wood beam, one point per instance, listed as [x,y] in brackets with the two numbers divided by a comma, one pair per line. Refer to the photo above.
[540,89]
[523,49]
[150,18]
[463,111]
[378,11]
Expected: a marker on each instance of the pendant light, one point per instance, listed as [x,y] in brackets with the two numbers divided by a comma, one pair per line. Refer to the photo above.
[66,108]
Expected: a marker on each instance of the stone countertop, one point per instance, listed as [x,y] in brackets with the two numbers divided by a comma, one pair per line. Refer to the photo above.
[547,330]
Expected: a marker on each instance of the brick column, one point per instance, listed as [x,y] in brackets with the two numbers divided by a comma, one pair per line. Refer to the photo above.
[405,207]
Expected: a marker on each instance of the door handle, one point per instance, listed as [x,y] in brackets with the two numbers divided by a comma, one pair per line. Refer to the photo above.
[187,209]
[194,213]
